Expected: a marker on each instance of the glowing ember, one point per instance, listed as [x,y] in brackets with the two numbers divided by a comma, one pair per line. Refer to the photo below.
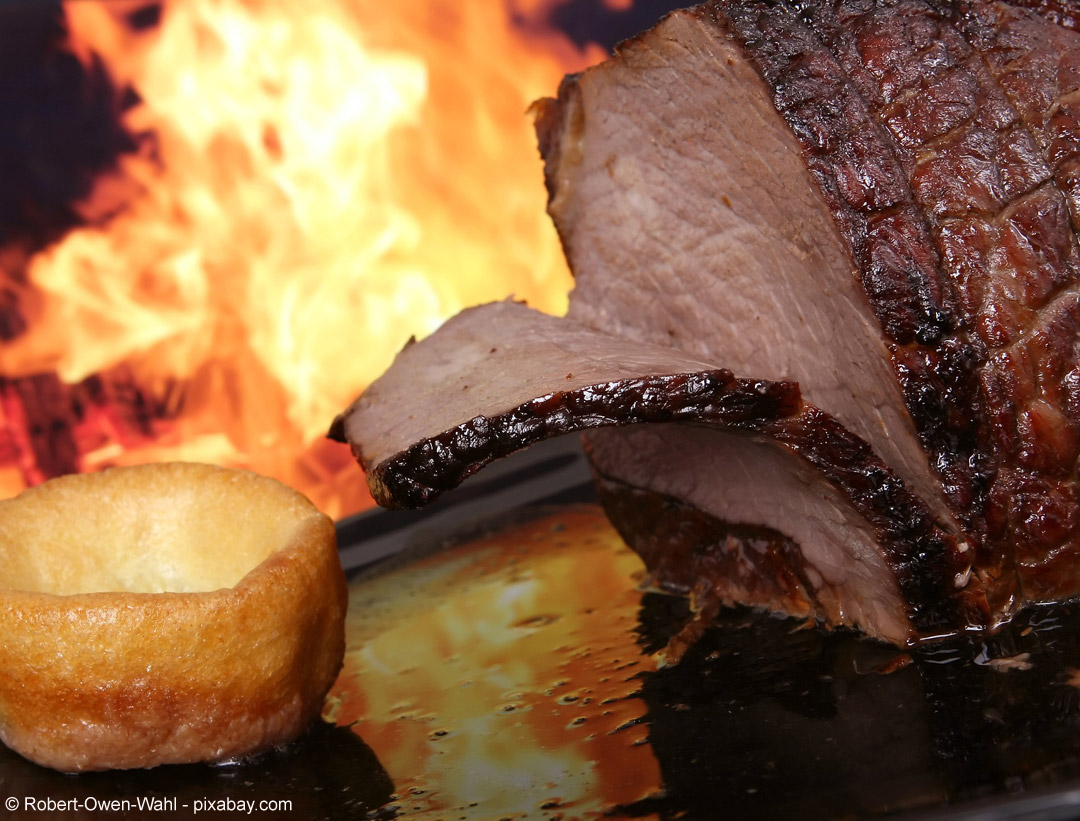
[319,181]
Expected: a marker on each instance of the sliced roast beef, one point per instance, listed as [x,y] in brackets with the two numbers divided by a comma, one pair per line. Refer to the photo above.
[650,157]
[877,200]
[500,377]
[864,550]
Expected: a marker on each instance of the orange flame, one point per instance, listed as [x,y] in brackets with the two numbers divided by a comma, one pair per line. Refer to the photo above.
[321,181]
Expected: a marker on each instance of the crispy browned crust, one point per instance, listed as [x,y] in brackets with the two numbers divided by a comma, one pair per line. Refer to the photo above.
[925,560]
[428,468]
[944,138]
[118,680]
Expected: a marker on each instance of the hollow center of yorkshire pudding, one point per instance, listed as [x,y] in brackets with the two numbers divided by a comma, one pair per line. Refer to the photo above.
[177,527]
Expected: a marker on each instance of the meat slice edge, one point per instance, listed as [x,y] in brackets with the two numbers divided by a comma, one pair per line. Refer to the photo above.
[816,485]
[948,170]
[690,219]
[499,377]
[944,138]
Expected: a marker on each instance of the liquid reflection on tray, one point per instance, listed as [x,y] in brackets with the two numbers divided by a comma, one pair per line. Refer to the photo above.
[500,678]
[511,677]
[829,725]
[329,773]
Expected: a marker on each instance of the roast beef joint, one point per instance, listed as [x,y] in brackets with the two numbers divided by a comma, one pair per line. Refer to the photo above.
[823,346]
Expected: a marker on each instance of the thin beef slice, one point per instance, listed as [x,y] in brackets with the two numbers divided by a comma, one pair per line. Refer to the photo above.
[874,199]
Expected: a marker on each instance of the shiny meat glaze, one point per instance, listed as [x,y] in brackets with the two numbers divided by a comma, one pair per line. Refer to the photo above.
[1017,260]
[944,141]
[963,225]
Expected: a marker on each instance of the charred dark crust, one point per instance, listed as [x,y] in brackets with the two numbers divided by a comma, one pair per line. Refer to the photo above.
[866,86]
[337,430]
[801,56]
[1062,12]
[684,547]
[430,467]
[851,156]
[926,560]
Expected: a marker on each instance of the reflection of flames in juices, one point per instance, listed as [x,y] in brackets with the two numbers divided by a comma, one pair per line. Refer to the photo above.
[323,180]
[500,679]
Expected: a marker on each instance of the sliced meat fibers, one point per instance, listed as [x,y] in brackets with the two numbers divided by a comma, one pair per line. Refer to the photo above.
[494,379]
[876,200]
[898,236]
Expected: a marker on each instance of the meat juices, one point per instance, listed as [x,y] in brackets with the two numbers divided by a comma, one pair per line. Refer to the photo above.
[875,200]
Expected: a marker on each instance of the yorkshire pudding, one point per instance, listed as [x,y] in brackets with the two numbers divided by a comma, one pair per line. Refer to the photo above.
[164,613]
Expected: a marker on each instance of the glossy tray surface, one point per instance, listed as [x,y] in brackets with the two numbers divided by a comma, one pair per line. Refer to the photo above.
[507,672]
[513,676]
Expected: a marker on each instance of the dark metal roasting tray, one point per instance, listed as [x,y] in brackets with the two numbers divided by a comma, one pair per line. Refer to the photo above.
[763,718]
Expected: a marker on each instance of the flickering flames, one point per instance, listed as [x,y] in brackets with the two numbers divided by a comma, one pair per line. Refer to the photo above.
[318,182]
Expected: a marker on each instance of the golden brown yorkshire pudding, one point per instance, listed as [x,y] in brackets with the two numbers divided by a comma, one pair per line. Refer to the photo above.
[164,613]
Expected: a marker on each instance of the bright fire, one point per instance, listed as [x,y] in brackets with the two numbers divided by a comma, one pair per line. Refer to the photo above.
[319,181]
